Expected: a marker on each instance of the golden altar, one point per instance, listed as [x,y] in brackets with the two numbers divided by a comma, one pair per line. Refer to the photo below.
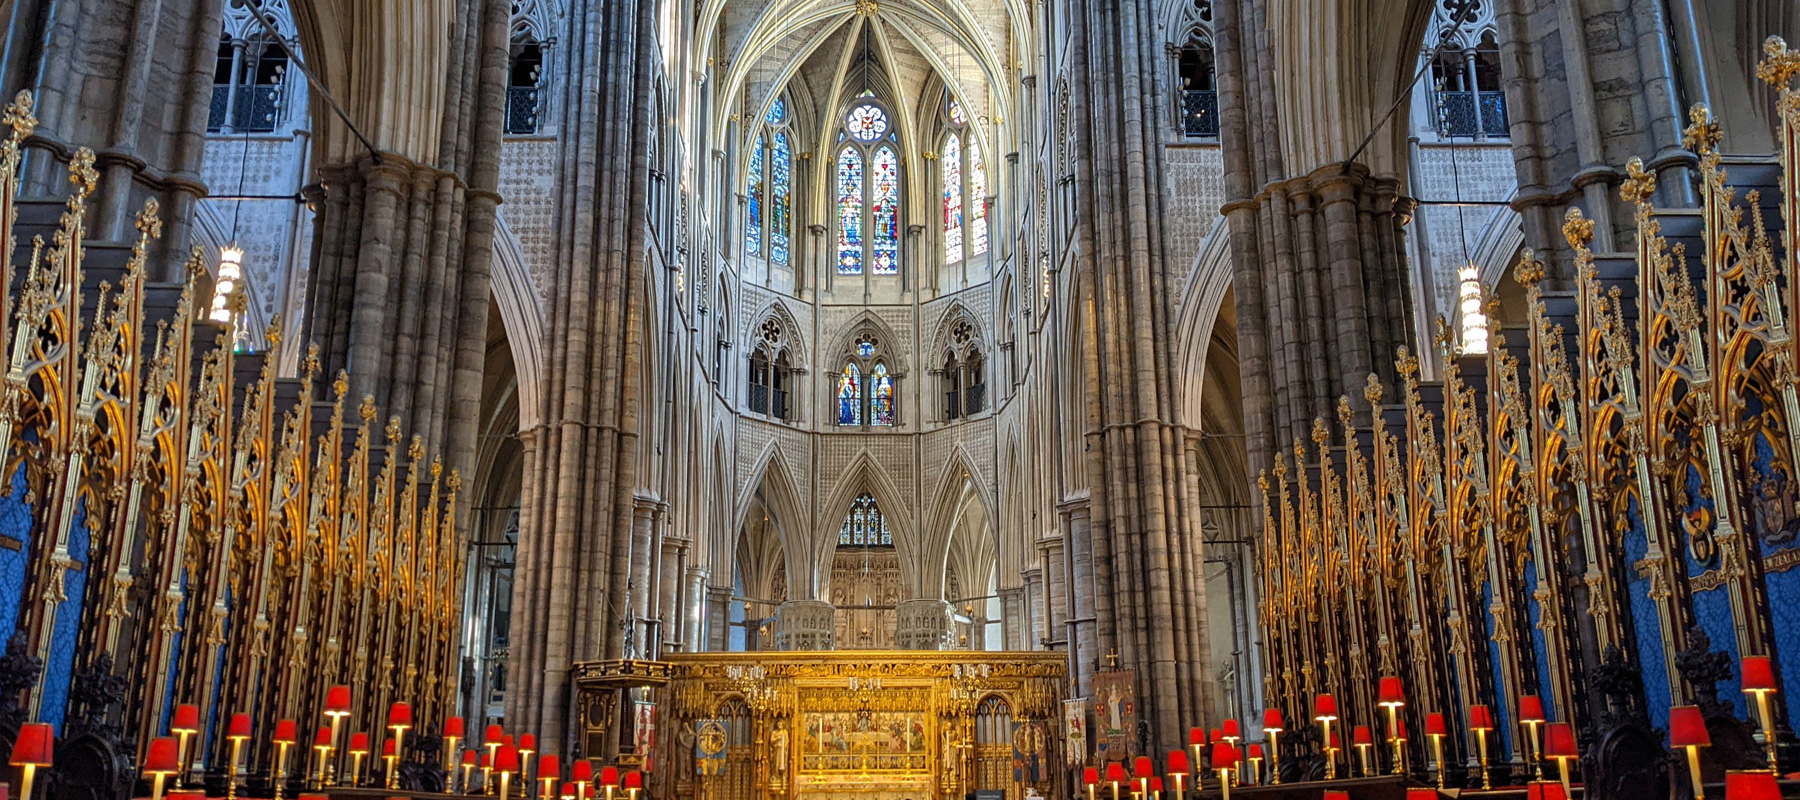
[876,725]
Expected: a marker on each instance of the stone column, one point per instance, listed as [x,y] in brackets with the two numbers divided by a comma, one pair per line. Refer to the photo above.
[1082,644]
[718,618]
[695,608]
[924,625]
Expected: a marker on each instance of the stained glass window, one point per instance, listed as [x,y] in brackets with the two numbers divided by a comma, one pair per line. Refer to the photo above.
[866,123]
[850,211]
[953,204]
[886,218]
[881,396]
[777,112]
[850,396]
[781,165]
[957,117]
[753,191]
[865,525]
[865,346]
[978,225]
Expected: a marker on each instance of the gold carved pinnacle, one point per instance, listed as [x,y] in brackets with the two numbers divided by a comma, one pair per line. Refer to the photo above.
[312,360]
[1320,434]
[1779,64]
[82,172]
[1343,412]
[392,430]
[341,385]
[1280,468]
[1529,271]
[273,334]
[1638,185]
[1577,229]
[1262,482]
[1405,363]
[454,484]
[1372,390]
[416,450]
[18,116]
[366,411]
[149,220]
[1702,134]
[437,466]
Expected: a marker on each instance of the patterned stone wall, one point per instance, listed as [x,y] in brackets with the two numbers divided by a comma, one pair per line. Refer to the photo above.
[528,182]
[1196,184]
[1471,173]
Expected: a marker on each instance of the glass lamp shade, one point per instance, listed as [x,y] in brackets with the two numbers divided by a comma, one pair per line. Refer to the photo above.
[1531,709]
[1559,741]
[1434,725]
[507,760]
[162,758]
[1325,708]
[1759,674]
[1481,718]
[1178,762]
[186,720]
[1272,720]
[337,701]
[35,746]
[1687,727]
[1393,692]
[1751,785]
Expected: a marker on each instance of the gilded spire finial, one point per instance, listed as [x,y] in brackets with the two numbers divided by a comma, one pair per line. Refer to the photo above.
[366,411]
[1779,64]
[1577,228]
[272,334]
[149,220]
[82,172]
[1320,434]
[1530,270]
[1702,134]
[1372,390]
[392,431]
[18,116]
[1638,185]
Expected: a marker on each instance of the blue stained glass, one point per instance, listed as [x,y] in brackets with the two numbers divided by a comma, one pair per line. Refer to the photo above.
[866,123]
[957,117]
[865,524]
[753,190]
[781,163]
[886,209]
[850,396]
[978,224]
[850,212]
[881,397]
[865,348]
[953,205]
[777,112]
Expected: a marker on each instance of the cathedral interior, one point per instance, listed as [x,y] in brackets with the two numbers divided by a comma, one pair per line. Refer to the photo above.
[900,399]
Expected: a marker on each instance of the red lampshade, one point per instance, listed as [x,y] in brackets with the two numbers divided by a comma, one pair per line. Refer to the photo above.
[1481,718]
[286,732]
[162,758]
[1337,796]
[1393,692]
[634,780]
[1255,752]
[337,700]
[1272,720]
[1197,736]
[1178,763]
[1156,784]
[387,748]
[1421,794]
[549,767]
[527,743]
[568,790]
[1531,709]
[1687,727]
[1115,772]
[1551,790]
[1337,742]
[583,771]
[492,736]
[1559,741]
[400,715]
[239,728]
[1759,674]
[454,727]
[609,776]
[1224,756]
[1325,707]
[187,719]
[1399,731]
[1142,767]
[35,746]
[484,761]
[468,758]
[1218,735]
[194,794]
[506,740]
[1362,735]
[1434,725]
[322,738]
[508,759]
[1751,785]
[1090,776]
[1231,729]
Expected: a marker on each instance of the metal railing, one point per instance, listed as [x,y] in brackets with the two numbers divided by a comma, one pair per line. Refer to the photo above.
[1472,114]
[522,110]
[255,109]
[1200,114]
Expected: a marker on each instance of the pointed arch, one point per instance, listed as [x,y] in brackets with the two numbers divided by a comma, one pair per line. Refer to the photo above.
[864,475]
[960,477]
[774,485]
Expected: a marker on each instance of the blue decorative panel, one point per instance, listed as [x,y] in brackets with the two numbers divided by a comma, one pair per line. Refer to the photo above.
[1501,743]
[1644,621]
[1712,607]
[61,663]
[1774,525]
[1540,653]
[15,523]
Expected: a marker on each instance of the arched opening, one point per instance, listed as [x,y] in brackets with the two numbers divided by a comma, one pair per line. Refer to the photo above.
[1199,90]
[1466,91]
[865,578]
